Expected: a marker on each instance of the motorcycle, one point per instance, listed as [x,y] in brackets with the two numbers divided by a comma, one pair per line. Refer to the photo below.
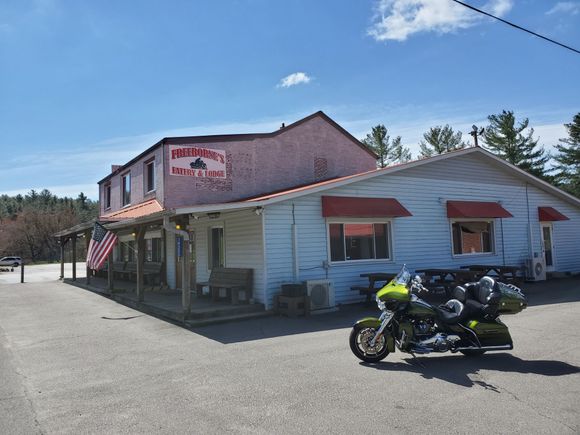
[469,323]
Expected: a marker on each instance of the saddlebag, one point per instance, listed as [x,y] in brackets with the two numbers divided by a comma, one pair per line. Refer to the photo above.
[511,301]
[490,333]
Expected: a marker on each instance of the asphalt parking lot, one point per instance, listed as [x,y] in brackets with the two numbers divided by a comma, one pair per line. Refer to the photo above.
[74,362]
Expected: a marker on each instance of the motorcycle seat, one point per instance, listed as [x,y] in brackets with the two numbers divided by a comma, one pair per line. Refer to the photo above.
[452,312]
[481,300]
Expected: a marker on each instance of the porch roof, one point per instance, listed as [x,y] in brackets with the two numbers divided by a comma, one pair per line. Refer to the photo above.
[77,229]
[144,208]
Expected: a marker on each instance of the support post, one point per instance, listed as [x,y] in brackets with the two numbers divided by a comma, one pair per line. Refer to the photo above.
[88,235]
[110,272]
[186,280]
[62,243]
[140,243]
[74,257]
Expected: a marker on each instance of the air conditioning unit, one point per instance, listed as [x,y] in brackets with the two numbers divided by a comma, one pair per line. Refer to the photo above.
[321,294]
[536,269]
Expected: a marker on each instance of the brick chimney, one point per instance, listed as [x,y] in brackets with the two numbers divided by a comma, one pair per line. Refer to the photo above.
[114,168]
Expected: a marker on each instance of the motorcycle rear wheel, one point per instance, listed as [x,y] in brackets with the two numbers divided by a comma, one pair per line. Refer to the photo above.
[359,339]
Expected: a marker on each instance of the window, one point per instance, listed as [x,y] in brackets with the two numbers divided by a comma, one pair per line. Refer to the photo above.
[126,186]
[153,252]
[107,196]
[359,241]
[216,254]
[127,251]
[472,237]
[150,176]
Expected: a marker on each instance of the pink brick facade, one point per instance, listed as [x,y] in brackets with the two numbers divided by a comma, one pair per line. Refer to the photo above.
[138,194]
[310,150]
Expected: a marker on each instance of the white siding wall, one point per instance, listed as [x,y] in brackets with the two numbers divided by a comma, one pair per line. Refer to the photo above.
[243,243]
[423,240]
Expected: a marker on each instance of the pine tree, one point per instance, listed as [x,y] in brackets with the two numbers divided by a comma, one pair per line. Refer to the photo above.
[509,141]
[439,140]
[568,158]
[400,154]
[389,152]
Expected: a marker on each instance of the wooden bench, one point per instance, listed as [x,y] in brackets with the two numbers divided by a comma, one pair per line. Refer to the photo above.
[368,292]
[152,272]
[233,280]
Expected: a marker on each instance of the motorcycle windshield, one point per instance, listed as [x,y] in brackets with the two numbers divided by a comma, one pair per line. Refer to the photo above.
[403,277]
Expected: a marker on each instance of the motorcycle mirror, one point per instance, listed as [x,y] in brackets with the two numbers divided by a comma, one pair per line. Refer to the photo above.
[418,279]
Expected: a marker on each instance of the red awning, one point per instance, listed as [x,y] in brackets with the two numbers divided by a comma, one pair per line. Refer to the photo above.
[476,209]
[345,206]
[549,214]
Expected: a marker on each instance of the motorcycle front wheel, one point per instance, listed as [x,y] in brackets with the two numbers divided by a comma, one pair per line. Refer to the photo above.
[359,340]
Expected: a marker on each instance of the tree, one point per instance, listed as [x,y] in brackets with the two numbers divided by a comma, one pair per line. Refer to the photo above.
[389,152]
[568,158]
[400,154]
[509,141]
[439,140]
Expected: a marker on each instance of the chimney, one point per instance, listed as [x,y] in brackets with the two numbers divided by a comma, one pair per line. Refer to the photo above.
[282,126]
[115,167]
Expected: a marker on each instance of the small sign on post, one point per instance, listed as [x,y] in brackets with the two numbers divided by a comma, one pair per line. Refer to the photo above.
[179,241]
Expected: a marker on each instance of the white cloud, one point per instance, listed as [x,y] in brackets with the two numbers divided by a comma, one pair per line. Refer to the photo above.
[294,79]
[398,19]
[565,7]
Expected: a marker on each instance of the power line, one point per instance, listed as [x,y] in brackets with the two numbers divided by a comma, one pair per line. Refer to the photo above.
[516,26]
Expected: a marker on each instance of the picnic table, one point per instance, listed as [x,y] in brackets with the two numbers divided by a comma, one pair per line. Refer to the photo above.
[372,288]
[504,273]
[447,279]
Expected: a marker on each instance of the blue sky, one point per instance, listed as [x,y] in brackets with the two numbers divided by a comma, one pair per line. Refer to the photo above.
[84,84]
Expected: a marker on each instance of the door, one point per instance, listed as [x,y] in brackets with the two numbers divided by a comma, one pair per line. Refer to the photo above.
[548,246]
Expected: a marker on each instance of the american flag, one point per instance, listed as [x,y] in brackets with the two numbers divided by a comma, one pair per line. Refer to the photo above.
[100,245]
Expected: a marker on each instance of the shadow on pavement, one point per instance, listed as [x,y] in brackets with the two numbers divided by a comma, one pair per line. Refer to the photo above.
[549,292]
[456,368]
[270,327]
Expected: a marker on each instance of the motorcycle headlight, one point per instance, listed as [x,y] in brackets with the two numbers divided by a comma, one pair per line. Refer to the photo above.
[380,303]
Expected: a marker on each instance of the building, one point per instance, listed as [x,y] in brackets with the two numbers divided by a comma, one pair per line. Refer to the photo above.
[306,203]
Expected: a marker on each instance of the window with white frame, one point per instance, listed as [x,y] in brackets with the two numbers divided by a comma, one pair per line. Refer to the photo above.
[472,237]
[359,241]
[216,247]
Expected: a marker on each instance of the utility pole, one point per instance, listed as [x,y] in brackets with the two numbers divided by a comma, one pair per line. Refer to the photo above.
[476,132]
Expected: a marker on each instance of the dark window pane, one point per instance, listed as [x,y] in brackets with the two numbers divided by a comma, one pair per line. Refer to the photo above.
[127,189]
[457,239]
[150,176]
[217,247]
[336,242]
[381,241]
[108,196]
[359,240]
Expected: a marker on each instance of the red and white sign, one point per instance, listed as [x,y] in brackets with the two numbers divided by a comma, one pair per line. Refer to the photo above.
[192,161]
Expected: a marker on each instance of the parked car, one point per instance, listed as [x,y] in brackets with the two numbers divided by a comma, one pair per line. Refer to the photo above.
[11,261]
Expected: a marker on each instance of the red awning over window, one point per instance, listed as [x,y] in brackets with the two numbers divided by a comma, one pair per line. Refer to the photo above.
[549,214]
[476,209]
[345,206]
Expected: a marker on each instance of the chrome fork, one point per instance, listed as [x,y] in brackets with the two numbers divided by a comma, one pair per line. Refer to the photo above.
[385,320]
